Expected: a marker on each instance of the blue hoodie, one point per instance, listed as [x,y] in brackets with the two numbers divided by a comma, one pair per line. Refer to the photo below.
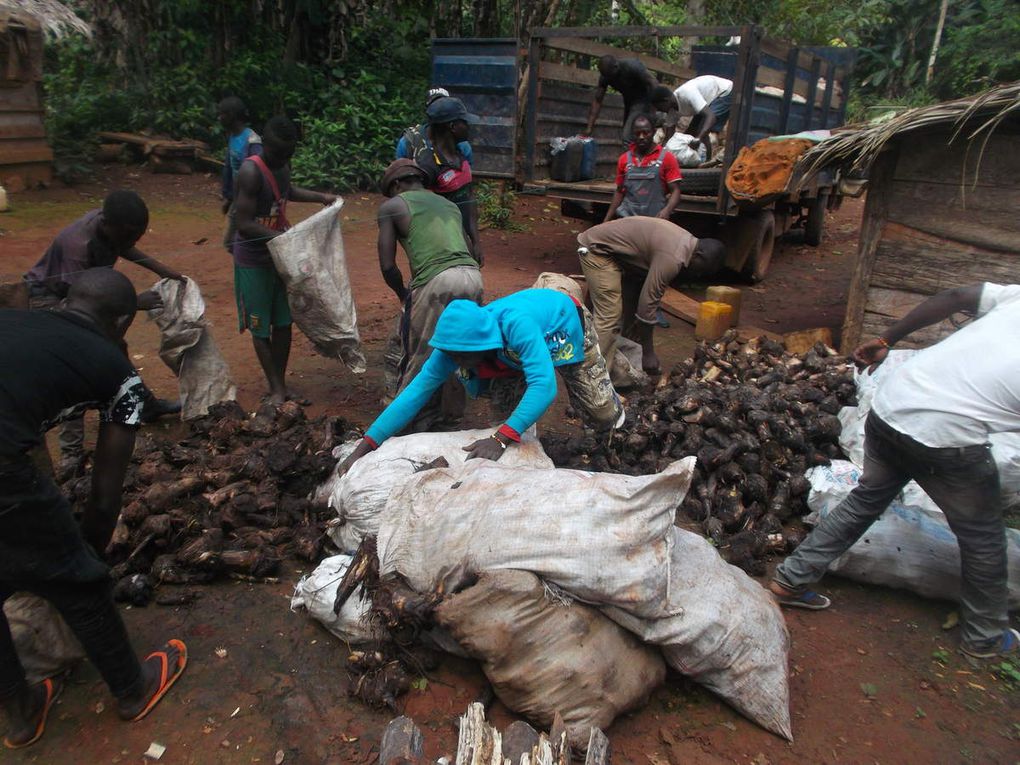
[533,331]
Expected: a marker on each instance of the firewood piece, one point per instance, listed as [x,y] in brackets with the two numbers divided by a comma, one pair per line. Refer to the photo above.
[478,743]
[134,513]
[559,740]
[364,567]
[202,552]
[173,597]
[281,458]
[598,748]
[519,739]
[308,542]
[402,743]
[257,563]
[166,569]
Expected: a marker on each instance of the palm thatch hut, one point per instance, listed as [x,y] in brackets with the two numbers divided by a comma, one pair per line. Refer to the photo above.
[941,211]
[26,159]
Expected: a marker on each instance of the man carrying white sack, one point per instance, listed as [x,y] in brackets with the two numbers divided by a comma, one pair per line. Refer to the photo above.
[930,423]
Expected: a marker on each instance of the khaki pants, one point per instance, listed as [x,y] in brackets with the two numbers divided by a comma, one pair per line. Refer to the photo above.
[614,292]
[408,347]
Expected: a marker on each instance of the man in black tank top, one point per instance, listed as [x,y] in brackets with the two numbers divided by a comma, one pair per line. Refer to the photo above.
[263,190]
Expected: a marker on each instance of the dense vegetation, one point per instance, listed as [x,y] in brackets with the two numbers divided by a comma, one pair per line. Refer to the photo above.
[353,72]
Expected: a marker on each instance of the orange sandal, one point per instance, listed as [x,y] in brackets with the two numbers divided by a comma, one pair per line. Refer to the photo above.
[53,686]
[166,679]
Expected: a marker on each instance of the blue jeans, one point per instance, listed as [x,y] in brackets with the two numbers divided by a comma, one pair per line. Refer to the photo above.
[963,482]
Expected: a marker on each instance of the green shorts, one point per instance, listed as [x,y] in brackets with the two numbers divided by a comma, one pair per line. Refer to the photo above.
[261,300]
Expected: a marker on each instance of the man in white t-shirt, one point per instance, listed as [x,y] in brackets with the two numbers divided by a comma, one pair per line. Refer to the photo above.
[930,422]
[706,99]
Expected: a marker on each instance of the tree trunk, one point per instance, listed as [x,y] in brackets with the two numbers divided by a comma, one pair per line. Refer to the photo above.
[937,41]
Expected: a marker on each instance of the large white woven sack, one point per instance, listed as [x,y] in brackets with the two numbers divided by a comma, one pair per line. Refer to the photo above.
[316,594]
[603,538]
[726,633]
[910,547]
[310,259]
[186,345]
[359,496]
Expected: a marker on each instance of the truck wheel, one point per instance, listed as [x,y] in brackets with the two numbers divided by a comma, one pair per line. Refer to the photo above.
[815,223]
[757,238]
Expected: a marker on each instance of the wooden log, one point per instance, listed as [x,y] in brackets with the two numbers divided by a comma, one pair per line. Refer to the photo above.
[402,743]
[598,748]
[14,294]
[677,304]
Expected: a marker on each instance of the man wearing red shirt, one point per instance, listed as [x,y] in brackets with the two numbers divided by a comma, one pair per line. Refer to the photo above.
[645,174]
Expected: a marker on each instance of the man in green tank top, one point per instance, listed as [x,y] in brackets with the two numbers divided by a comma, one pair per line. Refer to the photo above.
[430,230]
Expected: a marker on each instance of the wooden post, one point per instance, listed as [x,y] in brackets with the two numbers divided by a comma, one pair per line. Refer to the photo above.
[788,88]
[534,62]
[875,213]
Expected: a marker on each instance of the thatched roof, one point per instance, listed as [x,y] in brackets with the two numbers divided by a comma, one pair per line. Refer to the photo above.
[969,118]
[56,18]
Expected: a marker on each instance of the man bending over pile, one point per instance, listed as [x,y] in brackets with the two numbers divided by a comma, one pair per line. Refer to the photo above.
[930,422]
[513,343]
[57,364]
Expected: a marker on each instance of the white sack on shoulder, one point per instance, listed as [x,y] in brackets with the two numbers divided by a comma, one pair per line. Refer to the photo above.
[316,594]
[359,496]
[909,547]
[603,538]
[186,345]
[727,633]
[310,259]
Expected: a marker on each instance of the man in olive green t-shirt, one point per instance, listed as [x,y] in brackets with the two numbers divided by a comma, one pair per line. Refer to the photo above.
[430,230]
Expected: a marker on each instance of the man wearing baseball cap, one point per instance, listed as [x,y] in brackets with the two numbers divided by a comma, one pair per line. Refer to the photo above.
[441,149]
[430,230]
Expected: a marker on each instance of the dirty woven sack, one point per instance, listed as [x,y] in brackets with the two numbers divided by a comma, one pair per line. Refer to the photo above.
[549,280]
[910,547]
[359,496]
[544,655]
[43,641]
[186,345]
[310,259]
[604,538]
[316,594]
[727,633]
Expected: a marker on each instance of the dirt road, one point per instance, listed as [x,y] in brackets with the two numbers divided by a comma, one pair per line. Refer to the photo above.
[875,679]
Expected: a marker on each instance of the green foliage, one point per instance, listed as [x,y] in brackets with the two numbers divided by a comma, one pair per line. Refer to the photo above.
[496,202]
[981,47]
[1008,671]
[349,142]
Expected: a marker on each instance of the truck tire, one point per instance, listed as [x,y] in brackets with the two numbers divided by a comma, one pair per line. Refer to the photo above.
[814,226]
[757,237]
[702,181]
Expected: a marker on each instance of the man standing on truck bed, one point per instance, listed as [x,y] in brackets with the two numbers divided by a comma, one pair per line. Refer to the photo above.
[706,100]
[628,264]
[634,82]
[644,174]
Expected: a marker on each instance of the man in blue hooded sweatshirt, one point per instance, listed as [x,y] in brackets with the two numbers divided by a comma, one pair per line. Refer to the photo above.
[519,339]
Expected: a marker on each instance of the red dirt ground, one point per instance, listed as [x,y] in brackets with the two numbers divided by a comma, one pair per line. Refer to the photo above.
[282,684]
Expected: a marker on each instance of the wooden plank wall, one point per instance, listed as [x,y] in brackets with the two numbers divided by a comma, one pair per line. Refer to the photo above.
[938,215]
[26,159]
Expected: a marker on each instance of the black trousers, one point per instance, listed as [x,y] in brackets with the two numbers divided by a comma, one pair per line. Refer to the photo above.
[42,551]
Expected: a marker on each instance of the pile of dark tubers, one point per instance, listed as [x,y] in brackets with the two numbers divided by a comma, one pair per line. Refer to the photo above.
[229,500]
[755,416]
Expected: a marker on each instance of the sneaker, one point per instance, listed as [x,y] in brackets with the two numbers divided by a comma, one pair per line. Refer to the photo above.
[798,598]
[1006,645]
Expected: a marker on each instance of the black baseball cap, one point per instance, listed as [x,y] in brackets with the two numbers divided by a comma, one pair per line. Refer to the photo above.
[448,109]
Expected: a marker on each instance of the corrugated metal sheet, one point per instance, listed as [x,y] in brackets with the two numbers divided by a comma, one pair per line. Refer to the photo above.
[483,74]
